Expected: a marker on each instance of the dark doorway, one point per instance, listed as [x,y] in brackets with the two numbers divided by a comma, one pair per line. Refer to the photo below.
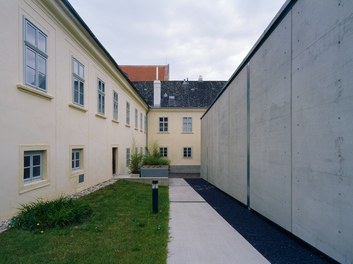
[114,160]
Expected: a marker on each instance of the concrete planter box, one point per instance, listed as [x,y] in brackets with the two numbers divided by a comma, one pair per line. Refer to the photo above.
[154,172]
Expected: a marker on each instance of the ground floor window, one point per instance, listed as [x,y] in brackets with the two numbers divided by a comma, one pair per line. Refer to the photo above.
[76,157]
[128,157]
[32,165]
[187,152]
[163,152]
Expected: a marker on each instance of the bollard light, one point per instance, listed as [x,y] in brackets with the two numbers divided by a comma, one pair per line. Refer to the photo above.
[155,197]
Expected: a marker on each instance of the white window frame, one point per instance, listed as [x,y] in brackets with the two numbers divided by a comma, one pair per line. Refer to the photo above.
[31,166]
[78,76]
[187,152]
[127,113]
[39,53]
[187,124]
[163,124]
[115,105]
[163,152]
[141,121]
[101,96]
[136,118]
[76,157]
[128,157]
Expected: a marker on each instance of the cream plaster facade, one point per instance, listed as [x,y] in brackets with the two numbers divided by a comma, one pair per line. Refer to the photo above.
[175,139]
[49,121]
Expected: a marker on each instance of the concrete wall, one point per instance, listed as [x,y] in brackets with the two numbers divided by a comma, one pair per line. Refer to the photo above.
[301,121]
[175,139]
[35,121]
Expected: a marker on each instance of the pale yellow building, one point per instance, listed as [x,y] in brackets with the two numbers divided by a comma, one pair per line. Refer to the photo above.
[174,118]
[69,116]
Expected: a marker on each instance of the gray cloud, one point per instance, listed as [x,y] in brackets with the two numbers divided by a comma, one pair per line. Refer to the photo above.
[199,37]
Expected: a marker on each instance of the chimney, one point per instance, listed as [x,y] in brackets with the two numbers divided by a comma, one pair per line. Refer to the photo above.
[157,73]
[157,93]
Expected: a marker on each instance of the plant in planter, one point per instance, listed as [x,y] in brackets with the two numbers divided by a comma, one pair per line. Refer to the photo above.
[135,163]
[153,165]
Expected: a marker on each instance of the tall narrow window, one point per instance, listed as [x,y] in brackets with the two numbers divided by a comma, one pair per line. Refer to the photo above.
[76,159]
[163,124]
[115,105]
[187,124]
[128,156]
[127,113]
[141,121]
[32,165]
[78,82]
[163,152]
[101,96]
[136,118]
[145,123]
[35,57]
[187,152]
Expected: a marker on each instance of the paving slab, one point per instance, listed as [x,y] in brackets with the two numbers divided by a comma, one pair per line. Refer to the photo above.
[198,234]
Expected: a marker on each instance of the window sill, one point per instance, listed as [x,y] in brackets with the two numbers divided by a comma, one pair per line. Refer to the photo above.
[34,91]
[101,116]
[77,107]
[161,132]
[30,186]
[141,130]
[184,132]
[115,121]
[127,125]
[136,129]
[76,173]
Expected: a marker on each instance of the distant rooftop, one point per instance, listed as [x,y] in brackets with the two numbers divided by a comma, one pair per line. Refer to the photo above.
[182,94]
[137,73]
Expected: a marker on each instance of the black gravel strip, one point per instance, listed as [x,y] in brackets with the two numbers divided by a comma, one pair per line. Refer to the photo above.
[273,242]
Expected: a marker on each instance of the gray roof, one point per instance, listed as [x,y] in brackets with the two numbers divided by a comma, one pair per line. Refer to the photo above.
[181,94]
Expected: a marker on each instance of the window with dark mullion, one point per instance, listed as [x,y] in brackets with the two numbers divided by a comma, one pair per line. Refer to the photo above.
[35,57]
[78,82]
[163,124]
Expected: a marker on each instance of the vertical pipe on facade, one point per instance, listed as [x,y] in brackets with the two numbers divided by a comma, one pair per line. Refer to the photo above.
[291,117]
[248,134]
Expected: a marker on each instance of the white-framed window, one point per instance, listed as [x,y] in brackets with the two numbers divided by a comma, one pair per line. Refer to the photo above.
[187,124]
[78,90]
[128,157]
[32,165]
[115,105]
[187,153]
[101,97]
[141,121]
[163,124]
[136,118]
[127,113]
[76,157]
[35,56]
[163,152]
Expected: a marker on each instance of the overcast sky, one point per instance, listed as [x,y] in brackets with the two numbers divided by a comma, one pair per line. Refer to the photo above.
[195,37]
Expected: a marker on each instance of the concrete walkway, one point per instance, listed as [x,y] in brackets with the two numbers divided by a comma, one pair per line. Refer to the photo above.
[198,234]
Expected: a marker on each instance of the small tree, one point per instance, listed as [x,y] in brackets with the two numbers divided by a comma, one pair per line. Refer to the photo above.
[135,160]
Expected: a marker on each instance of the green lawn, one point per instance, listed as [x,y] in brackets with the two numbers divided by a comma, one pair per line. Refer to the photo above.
[121,230]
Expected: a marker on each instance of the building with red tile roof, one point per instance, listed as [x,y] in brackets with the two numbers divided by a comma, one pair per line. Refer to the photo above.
[141,73]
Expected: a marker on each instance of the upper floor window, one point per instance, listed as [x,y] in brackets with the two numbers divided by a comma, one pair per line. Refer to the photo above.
[136,118]
[101,96]
[141,121]
[127,113]
[78,82]
[163,124]
[36,57]
[187,124]
[115,105]
[33,165]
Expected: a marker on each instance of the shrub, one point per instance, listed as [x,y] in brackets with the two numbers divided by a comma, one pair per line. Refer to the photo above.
[61,212]
[152,160]
[135,162]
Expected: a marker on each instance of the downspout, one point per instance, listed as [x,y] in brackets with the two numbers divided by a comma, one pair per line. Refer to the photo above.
[248,134]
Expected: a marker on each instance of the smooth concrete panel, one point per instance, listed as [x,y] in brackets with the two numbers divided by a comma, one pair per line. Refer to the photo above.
[270,124]
[322,129]
[204,148]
